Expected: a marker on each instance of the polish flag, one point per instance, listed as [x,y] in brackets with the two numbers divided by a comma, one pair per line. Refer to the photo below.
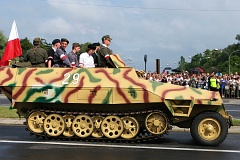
[13,48]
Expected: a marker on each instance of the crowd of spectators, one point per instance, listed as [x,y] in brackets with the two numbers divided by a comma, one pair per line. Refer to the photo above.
[229,85]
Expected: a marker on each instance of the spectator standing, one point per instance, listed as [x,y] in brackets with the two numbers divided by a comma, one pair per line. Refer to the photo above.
[222,85]
[237,86]
[51,52]
[37,56]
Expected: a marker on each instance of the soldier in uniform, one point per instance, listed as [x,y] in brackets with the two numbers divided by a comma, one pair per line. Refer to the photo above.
[51,51]
[72,56]
[60,56]
[105,52]
[37,56]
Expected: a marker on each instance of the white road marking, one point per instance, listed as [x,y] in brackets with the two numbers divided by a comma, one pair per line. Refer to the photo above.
[122,146]
[233,110]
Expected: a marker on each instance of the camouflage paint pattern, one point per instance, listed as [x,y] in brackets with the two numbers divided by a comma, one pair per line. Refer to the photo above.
[100,86]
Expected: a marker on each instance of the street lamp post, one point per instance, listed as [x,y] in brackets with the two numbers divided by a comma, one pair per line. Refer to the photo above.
[145,62]
[229,59]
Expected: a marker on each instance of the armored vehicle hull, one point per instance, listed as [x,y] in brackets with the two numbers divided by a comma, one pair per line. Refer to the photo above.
[111,103]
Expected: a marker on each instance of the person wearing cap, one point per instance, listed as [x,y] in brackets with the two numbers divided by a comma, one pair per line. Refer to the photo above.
[37,56]
[104,52]
[60,57]
[51,52]
[72,56]
[86,59]
[95,55]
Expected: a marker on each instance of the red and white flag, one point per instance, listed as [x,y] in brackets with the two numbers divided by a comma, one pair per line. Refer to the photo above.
[13,48]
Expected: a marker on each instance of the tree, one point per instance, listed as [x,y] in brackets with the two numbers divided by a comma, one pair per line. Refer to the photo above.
[3,42]
[26,45]
[237,37]
[218,59]
[83,48]
[181,63]
[44,44]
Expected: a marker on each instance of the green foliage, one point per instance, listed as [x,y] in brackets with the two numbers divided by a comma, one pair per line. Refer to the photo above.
[236,122]
[181,64]
[217,59]
[237,37]
[3,42]
[44,44]
[5,112]
[83,48]
[25,44]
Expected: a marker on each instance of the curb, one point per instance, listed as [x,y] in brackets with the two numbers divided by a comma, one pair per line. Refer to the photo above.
[12,121]
[233,129]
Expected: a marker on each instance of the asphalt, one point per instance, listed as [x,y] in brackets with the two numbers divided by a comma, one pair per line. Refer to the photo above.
[233,129]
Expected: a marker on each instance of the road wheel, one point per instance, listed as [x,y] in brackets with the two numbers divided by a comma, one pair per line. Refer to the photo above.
[112,127]
[209,128]
[54,125]
[131,127]
[82,126]
[35,122]
[156,123]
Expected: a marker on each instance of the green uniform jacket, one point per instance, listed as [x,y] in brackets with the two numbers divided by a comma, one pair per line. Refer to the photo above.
[104,53]
[37,56]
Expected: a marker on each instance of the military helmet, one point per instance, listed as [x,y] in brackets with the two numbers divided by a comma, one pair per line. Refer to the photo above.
[106,37]
[36,40]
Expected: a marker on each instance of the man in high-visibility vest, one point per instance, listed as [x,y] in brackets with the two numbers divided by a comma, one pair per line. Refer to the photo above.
[213,83]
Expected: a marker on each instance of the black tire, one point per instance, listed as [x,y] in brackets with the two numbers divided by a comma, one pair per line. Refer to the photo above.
[209,129]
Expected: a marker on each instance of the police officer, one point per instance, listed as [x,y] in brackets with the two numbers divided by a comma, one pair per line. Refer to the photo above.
[213,83]
[37,55]
[72,56]
[104,52]
[60,56]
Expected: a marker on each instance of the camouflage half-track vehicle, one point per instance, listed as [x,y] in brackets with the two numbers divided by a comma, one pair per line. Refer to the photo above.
[111,104]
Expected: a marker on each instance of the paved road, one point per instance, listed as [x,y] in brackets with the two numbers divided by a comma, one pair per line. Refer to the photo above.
[233,110]
[4,101]
[15,143]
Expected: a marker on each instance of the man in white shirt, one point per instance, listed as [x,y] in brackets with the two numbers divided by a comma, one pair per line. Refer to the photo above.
[86,60]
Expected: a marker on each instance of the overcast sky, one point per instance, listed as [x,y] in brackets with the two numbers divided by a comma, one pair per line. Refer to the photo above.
[161,29]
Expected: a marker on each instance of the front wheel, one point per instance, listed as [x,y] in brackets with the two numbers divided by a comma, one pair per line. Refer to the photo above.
[209,128]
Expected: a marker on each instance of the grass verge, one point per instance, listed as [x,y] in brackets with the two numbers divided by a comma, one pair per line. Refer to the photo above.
[5,112]
[236,122]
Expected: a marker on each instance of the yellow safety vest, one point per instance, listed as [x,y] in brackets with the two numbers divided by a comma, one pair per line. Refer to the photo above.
[213,83]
